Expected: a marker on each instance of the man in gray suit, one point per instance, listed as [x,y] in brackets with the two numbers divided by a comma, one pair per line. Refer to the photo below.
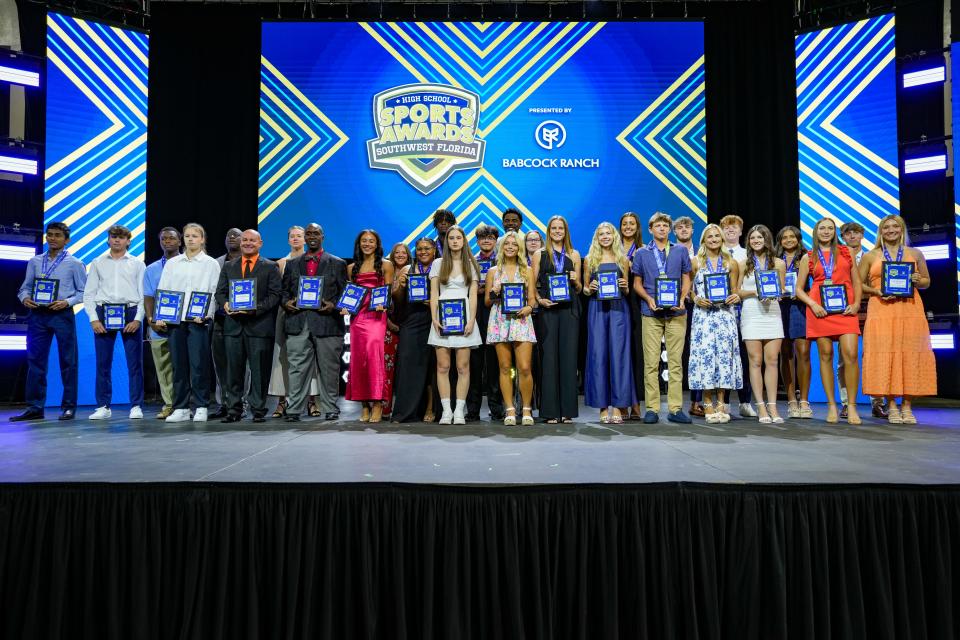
[314,336]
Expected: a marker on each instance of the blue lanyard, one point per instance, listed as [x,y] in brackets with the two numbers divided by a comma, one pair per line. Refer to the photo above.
[719,264]
[886,255]
[756,263]
[793,261]
[827,266]
[633,250]
[420,268]
[46,269]
[439,248]
[559,260]
[661,255]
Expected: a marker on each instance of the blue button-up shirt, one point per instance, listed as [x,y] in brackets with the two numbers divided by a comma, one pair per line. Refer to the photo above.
[151,280]
[70,272]
[645,266]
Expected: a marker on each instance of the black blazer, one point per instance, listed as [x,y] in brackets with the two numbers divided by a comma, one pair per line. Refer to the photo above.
[322,324]
[262,323]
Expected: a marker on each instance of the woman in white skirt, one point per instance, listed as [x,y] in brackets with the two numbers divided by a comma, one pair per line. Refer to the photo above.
[761,328]
[453,276]
[279,381]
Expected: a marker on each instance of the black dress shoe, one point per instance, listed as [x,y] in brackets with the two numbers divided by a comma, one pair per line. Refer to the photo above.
[333,415]
[879,411]
[475,417]
[219,413]
[292,418]
[259,417]
[29,414]
[843,413]
[230,418]
[68,414]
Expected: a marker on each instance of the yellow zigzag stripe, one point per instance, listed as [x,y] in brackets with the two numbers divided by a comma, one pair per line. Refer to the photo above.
[482,53]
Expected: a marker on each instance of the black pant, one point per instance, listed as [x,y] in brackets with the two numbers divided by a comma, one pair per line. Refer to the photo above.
[257,353]
[416,367]
[218,351]
[558,336]
[484,373]
[189,344]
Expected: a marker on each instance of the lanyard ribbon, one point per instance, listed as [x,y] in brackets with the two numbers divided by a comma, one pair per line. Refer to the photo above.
[661,255]
[719,264]
[827,266]
[559,259]
[886,254]
[46,269]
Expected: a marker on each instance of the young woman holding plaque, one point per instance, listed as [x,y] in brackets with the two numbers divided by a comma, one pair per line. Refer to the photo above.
[559,330]
[454,277]
[761,327]
[714,366]
[414,388]
[366,381]
[897,358]
[795,349]
[831,265]
[400,258]
[608,376]
[512,333]
[631,234]
[532,242]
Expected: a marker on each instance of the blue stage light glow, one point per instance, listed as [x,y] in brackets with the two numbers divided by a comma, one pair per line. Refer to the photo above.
[920,164]
[937,74]
[19,76]
[935,251]
[17,164]
[13,342]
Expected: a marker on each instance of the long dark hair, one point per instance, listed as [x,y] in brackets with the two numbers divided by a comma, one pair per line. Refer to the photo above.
[801,249]
[764,231]
[358,256]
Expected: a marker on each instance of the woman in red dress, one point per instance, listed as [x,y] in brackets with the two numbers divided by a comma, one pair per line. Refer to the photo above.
[399,258]
[367,374]
[831,264]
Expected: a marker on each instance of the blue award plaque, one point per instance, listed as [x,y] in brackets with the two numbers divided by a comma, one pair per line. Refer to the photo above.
[484,268]
[514,298]
[833,297]
[114,316]
[380,297]
[608,288]
[559,284]
[417,289]
[169,306]
[667,293]
[718,287]
[243,294]
[352,297]
[453,317]
[768,284]
[198,305]
[790,284]
[45,291]
[310,292]
[897,279]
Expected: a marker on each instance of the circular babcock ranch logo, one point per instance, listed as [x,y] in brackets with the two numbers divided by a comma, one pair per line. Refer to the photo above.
[550,135]
[425,132]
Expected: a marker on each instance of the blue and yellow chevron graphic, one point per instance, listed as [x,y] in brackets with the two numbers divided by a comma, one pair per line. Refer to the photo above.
[846,124]
[669,139]
[96,162]
[296,138]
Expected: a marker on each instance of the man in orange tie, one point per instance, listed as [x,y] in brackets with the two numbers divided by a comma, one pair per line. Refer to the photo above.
[248,292]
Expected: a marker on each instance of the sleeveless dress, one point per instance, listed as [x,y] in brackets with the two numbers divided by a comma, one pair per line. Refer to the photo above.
[714,352]
[835,324]
[759,319]
[792,310]
[455,288]
[608,375]
[506,328]
[367,330]
[897,357]
[416,362]
[558,332]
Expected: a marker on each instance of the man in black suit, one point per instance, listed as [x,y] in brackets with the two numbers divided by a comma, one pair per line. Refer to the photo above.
[248,335]
[314,336]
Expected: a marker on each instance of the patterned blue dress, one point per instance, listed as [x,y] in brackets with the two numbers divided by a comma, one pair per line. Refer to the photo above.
[714,345]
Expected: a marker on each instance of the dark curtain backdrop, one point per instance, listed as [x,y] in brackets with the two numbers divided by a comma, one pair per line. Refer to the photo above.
[398,562]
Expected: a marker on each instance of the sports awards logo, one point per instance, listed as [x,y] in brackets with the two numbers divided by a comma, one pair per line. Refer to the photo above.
[425,132]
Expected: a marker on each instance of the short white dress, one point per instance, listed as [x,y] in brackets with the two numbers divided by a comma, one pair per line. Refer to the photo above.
[759,319]
[455,288]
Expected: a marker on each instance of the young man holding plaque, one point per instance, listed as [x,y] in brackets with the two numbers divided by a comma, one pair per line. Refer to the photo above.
[832,305]
[732,226]
[113,299]
[898,360]
[483,360]
[218,349]
[54,282]
[170,245]
[314,330]
[663,283]
[248,291]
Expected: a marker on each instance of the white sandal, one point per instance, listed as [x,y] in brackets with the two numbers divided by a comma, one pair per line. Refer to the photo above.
[774,419]
[510,420]
[527,419]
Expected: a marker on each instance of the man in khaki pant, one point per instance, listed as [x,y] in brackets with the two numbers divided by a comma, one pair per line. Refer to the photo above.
[657,260]
[170,243]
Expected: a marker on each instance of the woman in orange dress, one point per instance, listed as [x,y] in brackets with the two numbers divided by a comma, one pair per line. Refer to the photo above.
[831,264]
[897,357]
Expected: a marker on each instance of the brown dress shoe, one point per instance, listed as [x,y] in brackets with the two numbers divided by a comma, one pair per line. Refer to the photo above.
[696,409]
[164,413]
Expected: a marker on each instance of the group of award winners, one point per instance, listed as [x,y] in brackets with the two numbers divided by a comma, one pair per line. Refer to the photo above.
[433,328]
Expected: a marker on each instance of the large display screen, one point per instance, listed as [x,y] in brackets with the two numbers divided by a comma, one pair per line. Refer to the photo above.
[380,124]
[96,156]
[847,124]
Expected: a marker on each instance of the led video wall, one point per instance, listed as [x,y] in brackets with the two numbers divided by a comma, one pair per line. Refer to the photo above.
[847,124]
[380,124]
[96,155]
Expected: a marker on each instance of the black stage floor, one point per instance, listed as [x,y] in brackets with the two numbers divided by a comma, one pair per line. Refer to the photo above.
[742,451]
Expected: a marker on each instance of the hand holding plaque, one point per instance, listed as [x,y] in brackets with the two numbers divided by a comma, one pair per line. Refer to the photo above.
[513,298]
[352,298]
[169,306]
[114,317]
[559,285]
[45,291]
[717,286]
[380,297]
[667,293]
[453,317]
[768,284]
[417,288]
[896,279]
[608,287]
[834,298]
[198,306]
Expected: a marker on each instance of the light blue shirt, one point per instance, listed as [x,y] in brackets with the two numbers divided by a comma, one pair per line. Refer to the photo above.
[70,272]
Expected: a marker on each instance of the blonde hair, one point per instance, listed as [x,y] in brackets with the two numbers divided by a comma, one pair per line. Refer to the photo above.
[595,255]
[905,236]
[567,245]
[194,225]
[468,264]
[702,251]
[659,216]
[521,253]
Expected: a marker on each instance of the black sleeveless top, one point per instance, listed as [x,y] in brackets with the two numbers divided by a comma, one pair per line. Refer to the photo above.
[548,268]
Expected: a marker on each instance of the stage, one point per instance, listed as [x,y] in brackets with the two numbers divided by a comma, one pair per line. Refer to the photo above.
[485,453]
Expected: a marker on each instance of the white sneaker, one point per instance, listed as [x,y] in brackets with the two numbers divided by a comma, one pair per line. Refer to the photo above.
[200,415]
[746,410]
[136,413]
[446,417]
[102,413]
[458,417]
[179,415]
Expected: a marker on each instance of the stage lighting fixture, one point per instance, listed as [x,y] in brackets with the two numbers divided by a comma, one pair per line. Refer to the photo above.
[935,251]
[942,341]
[16,157]
[928,159]
[13,342]
[924,76]
[17,252]
[17,68]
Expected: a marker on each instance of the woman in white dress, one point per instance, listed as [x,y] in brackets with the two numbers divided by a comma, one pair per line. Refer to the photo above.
[279,382]
[453,276]
[761,327]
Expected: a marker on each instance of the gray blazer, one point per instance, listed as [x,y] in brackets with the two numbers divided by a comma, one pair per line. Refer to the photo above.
[322,324]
